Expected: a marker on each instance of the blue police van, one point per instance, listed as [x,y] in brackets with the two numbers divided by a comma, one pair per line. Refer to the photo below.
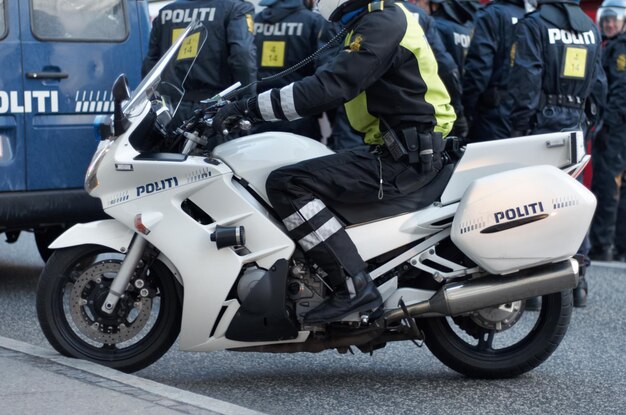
[59,60]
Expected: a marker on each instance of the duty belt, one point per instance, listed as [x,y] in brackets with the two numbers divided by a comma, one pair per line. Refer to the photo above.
[569,101]
[419,148]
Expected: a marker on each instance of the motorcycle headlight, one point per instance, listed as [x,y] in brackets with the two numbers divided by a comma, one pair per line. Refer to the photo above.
[91,177]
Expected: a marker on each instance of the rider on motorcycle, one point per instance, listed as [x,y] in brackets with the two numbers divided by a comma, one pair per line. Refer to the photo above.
[386,75]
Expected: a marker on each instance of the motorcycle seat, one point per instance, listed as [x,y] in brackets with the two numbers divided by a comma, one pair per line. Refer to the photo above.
[352,214]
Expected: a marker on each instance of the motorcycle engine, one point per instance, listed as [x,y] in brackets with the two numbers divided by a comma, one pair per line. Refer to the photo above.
[248,280]
[305,287]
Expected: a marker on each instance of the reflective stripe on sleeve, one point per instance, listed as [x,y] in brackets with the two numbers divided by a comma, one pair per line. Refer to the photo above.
[264,101]
[287,103]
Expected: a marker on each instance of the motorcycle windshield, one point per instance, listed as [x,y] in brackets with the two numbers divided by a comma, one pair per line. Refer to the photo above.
[167,80]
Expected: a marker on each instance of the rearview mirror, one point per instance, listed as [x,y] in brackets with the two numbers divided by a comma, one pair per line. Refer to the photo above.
[120,90]
[121,93]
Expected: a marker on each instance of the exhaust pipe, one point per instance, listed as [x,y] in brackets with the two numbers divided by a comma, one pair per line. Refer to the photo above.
[462,297]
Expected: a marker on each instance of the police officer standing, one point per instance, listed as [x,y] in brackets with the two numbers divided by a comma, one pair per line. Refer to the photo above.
[487,66]
[385,72]
[228,55]
[455,26]
[286,33]
[555,63]
[608,229]
[472,6]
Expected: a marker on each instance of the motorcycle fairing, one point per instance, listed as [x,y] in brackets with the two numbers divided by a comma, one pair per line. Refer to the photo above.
[263,314]
[254,157]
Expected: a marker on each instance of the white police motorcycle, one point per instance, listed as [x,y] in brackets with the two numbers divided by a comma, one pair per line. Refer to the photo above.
[195,250]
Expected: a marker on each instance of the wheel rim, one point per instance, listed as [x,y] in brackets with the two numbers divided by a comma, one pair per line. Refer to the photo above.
[85,301]
[474,335]
[142,319]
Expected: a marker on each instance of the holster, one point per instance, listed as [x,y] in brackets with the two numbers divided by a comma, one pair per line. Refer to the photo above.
[419,148]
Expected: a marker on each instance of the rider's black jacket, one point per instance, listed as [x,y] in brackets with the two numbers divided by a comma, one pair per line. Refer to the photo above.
[449,71]
[386,69]
[228,55]
[444,59]
[554,69]
[285,33]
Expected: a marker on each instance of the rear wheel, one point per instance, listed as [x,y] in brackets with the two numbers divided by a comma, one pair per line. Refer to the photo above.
[72,288]
[499,342]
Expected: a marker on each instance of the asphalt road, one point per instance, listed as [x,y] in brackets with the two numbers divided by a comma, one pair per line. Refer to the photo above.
[586,374]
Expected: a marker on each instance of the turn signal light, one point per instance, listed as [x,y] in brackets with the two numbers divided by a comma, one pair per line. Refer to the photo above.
[139,226]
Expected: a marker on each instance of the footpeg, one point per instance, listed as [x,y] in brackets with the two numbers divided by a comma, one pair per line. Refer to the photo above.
[411,324]
[374,315]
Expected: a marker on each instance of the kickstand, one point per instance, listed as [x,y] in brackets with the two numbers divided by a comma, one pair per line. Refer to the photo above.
[410,322]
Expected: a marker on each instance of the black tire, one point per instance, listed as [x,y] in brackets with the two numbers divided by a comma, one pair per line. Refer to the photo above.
[476,361]
[60,273]
[44,237]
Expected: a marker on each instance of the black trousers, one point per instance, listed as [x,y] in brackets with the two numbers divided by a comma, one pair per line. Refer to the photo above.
[300,194]
[609,167]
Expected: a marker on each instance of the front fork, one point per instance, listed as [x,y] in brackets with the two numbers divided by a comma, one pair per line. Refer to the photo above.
[121,280]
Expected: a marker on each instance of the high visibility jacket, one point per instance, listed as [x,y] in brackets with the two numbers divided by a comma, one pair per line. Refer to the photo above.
[385,70]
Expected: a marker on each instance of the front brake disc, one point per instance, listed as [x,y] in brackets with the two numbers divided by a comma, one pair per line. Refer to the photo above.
[94,323]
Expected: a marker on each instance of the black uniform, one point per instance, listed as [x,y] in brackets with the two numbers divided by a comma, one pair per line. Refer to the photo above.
[609,156]
[487,68]
[342,136]
[449,71]
[387,73]
[228,54]
[455,26]
[285,34]
[556,61]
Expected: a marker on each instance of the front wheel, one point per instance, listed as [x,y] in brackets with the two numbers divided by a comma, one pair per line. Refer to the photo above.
[143,326]
[45,236]
[499,342]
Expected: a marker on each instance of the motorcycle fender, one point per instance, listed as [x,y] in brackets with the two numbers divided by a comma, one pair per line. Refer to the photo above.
[109,233]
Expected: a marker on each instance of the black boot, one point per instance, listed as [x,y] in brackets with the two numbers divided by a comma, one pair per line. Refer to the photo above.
[580,293]
[363,297]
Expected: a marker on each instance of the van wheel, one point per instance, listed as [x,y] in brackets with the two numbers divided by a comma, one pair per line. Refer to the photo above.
[479,346]
[45,236]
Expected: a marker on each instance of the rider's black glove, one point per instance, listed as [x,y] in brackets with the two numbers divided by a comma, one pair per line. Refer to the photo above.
[230,114]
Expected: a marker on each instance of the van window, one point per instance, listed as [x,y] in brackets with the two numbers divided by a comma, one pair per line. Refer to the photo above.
[3,24]
[79,20]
